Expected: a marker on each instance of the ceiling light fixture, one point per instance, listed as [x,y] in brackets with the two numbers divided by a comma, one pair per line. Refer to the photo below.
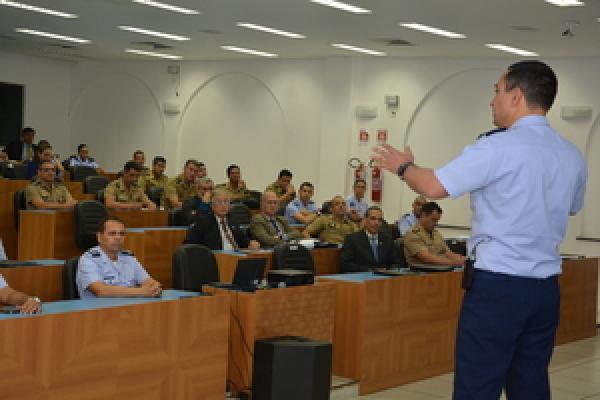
[358,49]
[342,6]
[433,30]
[270,30]
[168,7]
[52,35]
[566,3]
[509,49]
[248,51]
[153,33]
[42,10]
[153,54]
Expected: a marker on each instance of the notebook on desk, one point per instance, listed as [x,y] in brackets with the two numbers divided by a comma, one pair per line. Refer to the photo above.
[431,268]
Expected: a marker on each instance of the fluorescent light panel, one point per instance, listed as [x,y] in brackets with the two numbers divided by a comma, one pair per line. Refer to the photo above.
[509,49]
[248,51]
[270,30]
[153,54]
[358,49]
[52,35]
[168,7]
[433,30]
[566,3]
[153,33]
[342,6]
[42,10]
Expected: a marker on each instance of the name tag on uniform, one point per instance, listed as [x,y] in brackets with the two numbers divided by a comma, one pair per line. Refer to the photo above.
[109,279]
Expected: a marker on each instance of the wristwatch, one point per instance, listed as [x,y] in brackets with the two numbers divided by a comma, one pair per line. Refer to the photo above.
[36,299]
[402,168]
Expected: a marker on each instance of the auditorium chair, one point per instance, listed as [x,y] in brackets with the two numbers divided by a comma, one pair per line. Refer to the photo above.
[93,184]
[69,276]
[181,217]
[88,213]
[100,196]
[239,214]
[193,266]
[326,207]
[400,257]
[292,256]
[80,173]
[12,170]
[154,194]
[19,203]
[253,199]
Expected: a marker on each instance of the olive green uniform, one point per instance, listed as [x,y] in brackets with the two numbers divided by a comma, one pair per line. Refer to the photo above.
[118,191]
[235,194]
[279,191]
[150,181]
[330,230]
[49,193]
[177,186]
[418,239]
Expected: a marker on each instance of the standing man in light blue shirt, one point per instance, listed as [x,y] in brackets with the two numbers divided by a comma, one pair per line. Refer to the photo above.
[302,210]
[408,220]
[356,204]
[524,183]
[108,271]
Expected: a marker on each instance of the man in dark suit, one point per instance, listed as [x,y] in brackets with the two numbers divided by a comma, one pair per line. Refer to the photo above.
[24,149]
[215,231]
[368,248]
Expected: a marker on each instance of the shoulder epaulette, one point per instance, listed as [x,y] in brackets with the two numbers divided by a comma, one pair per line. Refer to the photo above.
[95,253]
[126,253]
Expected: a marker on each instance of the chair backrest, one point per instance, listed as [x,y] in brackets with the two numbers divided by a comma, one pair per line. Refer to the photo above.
[19,203]
[92,184]
[181,217]
[80,173]
[193,266]
[326,207]
[100,196]
[14,171]
[88,213]
[239,214]
[69,276]
[155,193]
[292,256]
[253,199]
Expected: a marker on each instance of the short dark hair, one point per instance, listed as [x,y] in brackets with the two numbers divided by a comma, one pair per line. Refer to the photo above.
[193,161]
[232,166]
[158,159]
[102,223]
[430,207]
[41,164]
[81,146]
[304,184]
[373,208]
[129,165]
[285,172]
[359,180]
[28,130]
[536,80]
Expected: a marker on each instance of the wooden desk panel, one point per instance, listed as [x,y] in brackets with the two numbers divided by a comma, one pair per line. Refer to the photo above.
[159,350]
[306,311]
[8,230]
[141,218]
[12,185]
[75,188]
[44,281]
[46,235]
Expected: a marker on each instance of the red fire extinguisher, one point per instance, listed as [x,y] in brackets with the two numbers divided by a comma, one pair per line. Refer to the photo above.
[376,183]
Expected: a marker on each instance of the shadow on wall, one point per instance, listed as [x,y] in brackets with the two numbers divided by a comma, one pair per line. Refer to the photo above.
[235,118]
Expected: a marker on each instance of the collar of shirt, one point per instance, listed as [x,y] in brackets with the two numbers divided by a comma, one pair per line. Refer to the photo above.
[372,237]
[530,120]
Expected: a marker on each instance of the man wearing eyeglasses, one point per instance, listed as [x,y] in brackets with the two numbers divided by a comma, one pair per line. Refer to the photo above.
[356,203]
[269,228]
[45,193]
[215,231]
[369,248]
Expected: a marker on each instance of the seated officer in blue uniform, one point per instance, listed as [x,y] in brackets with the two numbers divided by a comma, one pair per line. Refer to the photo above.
[302,210]
[408,220]
[25,304]
[108,271]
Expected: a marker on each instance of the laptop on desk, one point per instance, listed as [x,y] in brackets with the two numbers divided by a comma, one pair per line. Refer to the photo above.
[248,274]
[431,268]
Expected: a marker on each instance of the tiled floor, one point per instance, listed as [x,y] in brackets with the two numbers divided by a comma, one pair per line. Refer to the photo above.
[574,375]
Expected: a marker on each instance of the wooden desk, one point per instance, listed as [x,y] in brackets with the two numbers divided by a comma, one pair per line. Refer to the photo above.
[117,349]
[306,311]
[327,261]
[141,218]
[8,230]
[43,281]
[391,331]
[12,185]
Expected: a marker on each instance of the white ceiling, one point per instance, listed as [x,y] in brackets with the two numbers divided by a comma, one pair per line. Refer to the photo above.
[529,24]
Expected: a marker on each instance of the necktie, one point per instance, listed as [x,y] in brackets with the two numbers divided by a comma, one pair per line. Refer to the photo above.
[228,234]
[278,229]
[373,240]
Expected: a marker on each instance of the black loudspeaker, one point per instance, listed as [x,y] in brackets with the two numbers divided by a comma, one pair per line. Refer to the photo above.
[291,368]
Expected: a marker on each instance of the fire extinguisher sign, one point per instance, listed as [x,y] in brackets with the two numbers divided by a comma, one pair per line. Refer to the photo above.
[363,137]
[382,136]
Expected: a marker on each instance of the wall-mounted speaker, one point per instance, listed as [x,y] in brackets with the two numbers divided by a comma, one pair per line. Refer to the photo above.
[575,112]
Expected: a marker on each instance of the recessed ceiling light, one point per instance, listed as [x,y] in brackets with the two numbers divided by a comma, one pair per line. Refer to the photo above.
[52,35]
[153,54]
[153,33]
[343,6]
[358,49]
[566,3]
[42,10]
[166,6]
[270,30]
[509,49]
[248,51]
[433,30]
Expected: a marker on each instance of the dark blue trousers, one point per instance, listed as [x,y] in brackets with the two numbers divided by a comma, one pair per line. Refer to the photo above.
[505,337]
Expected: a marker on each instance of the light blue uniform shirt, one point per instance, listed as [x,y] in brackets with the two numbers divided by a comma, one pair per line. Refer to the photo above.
[3,283]
[78,162]
[295,206]
[360,206]
[406,222]
[524,183]
[95,266]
